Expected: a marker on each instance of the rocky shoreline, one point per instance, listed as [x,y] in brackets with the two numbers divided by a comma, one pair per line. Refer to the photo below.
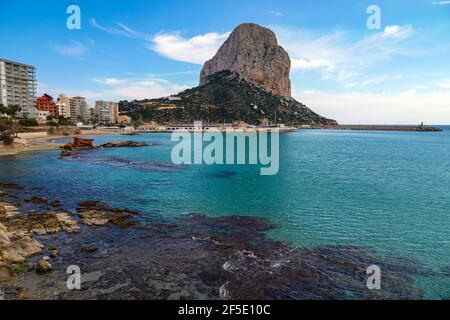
[18,229]
[192,257]
[47,142]
[82,145]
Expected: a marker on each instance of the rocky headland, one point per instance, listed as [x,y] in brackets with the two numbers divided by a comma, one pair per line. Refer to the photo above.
[247,80]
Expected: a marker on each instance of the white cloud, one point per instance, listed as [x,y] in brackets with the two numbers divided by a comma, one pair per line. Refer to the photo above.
[409,107]
[365,82]
[75,49]
[109,81]
[277,13]
[138,88]
[445,84]
[197,49]
[441,3]
[397,31]
[122,29]
[339,57]
[115,89]
[312,64]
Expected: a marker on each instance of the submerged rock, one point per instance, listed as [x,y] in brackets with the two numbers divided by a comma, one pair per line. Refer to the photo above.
[37,200]
[11,186]
[125,144]
[94,213]
[43,266]
[89,249]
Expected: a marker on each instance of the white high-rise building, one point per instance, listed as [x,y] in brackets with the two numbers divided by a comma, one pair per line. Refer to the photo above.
[106,111]
[79,109]
[63,103]
[18,86]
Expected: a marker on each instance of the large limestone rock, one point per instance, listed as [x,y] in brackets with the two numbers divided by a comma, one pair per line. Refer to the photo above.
[253,52]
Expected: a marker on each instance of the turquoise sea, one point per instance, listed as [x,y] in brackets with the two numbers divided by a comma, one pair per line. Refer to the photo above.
[389,191]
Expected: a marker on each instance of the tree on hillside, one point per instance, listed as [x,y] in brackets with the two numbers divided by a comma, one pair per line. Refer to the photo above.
[8,124]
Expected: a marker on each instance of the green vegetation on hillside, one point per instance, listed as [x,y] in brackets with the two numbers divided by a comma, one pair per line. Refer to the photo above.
[225,98]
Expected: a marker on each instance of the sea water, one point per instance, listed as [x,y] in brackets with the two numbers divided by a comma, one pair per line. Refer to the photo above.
[387,191]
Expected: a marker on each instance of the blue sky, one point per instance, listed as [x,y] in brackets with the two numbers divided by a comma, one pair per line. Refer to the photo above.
[341,69]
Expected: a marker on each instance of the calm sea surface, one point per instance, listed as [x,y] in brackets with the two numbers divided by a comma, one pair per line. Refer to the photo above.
[389,191]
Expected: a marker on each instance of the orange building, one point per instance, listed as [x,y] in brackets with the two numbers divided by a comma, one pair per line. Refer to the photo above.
[46,103]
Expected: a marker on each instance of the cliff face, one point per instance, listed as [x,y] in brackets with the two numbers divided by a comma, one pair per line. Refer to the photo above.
[253,52]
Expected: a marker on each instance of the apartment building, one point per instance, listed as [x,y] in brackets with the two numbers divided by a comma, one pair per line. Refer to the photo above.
[107,111]
[18,86]
[79,110]
[63,103]
[46,103]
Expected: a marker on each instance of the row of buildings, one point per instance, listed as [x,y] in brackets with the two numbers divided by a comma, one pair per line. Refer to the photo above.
[18,87]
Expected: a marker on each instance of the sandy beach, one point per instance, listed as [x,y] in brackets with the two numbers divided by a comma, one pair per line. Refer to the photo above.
[46,142]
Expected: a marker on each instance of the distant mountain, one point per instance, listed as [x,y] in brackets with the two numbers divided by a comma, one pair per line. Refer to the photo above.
[248,80]
[224,98]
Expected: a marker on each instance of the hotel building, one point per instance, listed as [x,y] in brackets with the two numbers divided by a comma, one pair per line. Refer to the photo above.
[18,86]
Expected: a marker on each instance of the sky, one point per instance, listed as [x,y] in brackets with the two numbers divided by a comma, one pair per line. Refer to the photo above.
[398,73]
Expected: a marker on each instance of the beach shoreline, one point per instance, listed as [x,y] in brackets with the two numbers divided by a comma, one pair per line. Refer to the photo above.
[47,143]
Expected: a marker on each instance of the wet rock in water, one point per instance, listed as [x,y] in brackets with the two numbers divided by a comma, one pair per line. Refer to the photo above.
[55,203]
[66,153]
[53,253]
[16,242]
[78,145]
[89,249]
[83,143]
[15,248]
[21,294]
[37,200]
[125,144]
[11,186]
[93,218]
[93,213]
[43,223]
[44,266]
[7,210]
[88,204]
